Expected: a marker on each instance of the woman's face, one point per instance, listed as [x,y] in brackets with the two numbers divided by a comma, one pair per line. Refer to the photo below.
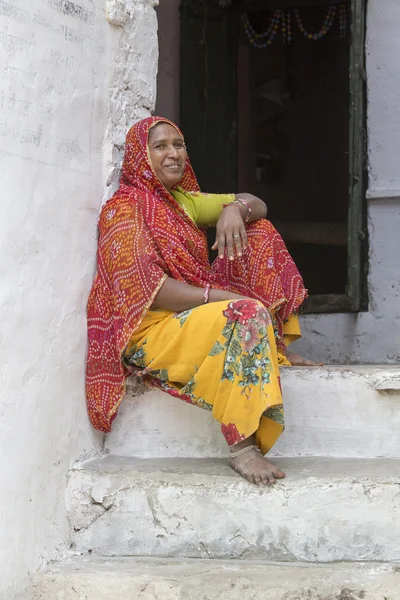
[168,154]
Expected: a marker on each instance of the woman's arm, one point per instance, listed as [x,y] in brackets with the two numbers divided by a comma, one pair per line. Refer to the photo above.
[231,230]
[206,209]
[178,296]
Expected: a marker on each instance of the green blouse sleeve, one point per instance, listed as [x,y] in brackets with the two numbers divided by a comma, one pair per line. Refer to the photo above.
[204,209]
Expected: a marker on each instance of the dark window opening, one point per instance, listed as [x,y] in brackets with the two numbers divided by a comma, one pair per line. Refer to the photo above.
[285,122]
[293,137]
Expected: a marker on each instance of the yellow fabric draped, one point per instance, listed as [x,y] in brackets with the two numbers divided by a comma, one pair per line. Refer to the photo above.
[227,367]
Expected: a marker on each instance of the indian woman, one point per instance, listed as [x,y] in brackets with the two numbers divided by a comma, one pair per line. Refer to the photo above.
[213,335]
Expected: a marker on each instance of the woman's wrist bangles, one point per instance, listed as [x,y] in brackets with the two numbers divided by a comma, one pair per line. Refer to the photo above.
[244,203]
[206,295]
[241,202]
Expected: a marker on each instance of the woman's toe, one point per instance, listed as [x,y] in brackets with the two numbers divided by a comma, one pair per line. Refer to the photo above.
[265,479]
[252,478]
[279,474]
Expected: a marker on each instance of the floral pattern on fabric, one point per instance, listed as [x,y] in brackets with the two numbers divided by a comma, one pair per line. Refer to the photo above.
[182,316]
[247,360]
[231,434]
[237,379]
[241,311]
[137,357]
[275,413]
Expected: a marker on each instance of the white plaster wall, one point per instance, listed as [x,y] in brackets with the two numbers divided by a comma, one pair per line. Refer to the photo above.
[132,77]
[383,52]
[59,62]
[374,336]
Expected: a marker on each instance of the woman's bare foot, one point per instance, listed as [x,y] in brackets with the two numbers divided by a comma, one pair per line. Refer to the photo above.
[299,361]
[255,468]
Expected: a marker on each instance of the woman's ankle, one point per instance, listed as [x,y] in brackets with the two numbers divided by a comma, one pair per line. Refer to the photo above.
[250,441]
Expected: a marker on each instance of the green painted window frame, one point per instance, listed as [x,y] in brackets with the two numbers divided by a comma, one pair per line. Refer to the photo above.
[358,229]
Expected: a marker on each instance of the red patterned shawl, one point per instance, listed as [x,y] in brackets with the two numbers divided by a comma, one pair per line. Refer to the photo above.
[144,237]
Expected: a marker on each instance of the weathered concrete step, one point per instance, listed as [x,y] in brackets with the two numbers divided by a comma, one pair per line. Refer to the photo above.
[325,510]
[141,579]
[330,411]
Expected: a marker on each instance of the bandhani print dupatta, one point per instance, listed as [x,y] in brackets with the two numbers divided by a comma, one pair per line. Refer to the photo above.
[144,237]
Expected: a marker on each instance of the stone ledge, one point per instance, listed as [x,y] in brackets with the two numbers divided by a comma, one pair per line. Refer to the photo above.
[326,510]
[348,411]
[152,579]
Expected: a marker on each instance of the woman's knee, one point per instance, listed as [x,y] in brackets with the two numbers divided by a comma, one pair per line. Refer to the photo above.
[248,308]
[261,227]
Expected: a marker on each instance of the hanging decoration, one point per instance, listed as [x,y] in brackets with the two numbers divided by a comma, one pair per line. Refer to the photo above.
[283,20]
[327,24]
[289,26]
[284,27]
[343,20]
[262,40]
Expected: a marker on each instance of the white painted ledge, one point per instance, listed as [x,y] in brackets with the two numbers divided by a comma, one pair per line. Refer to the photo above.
[382,193]
[124,578]
[325,510]
[330,411]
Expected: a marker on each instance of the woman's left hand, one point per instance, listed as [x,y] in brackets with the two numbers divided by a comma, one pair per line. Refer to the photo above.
[231,233]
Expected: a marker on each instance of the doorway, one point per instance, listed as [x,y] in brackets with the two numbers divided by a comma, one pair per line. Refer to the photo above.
[279,97]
